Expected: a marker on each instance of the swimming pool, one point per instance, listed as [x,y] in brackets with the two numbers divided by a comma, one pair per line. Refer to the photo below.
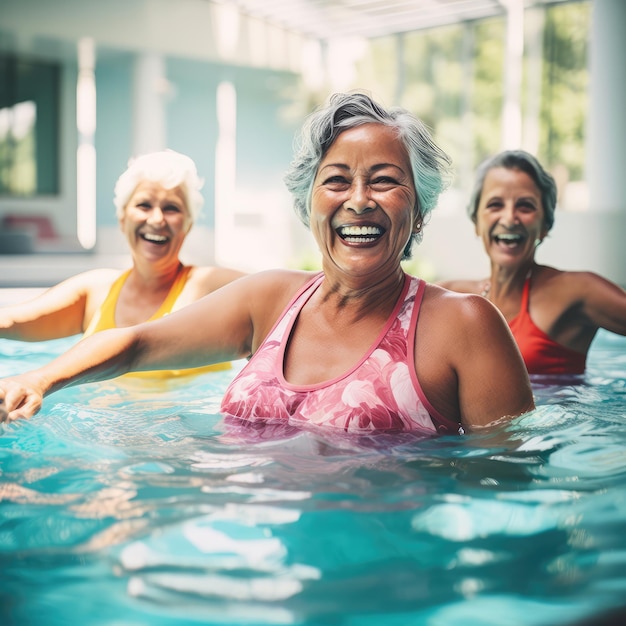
[128,505]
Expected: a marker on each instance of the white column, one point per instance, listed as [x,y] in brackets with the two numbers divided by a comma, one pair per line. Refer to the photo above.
[607,134]
[513,64]
[226,248]
[535,22]
[466,164]
[607,107]
[86,151]
[150,89]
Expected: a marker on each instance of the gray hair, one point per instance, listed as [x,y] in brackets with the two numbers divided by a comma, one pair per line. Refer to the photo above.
[429,164]
[525,162]
[170,169]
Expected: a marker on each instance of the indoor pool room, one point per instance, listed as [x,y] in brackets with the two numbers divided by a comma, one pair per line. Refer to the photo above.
[387,214]
[126,503]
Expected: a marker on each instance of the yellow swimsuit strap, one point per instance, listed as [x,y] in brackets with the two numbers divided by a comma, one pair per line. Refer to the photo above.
[175,291]
[105,316]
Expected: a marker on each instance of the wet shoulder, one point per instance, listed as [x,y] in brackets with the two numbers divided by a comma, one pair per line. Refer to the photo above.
[457,311]
[571,284]
[97,283]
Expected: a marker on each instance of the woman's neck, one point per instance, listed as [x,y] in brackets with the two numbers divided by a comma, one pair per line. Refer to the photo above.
[155,279]
[363,295]
[505,281]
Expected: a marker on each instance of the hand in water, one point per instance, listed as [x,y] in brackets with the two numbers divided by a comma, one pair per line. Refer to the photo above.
[20,396]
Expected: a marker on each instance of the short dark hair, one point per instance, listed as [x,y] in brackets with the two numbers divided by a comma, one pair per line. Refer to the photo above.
[525,162]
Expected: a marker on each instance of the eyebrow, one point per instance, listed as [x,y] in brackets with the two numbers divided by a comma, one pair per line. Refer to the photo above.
[533,199]
[142,197]
[374,168]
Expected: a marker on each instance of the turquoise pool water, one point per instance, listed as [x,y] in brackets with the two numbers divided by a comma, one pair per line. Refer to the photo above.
[130,505]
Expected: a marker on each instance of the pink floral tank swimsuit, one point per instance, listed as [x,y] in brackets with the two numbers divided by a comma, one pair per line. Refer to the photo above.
[380,393]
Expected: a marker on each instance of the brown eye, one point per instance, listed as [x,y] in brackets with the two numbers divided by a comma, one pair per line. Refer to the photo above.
[384,182]
[336,182]
[527,206]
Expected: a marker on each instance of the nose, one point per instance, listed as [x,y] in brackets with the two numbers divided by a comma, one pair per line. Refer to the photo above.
[360,200]
[156,216]
[508,217]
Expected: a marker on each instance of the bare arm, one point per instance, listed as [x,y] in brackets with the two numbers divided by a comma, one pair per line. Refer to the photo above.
[226,324]
[467,360]
[604,302]
[58,312]
[493,380]
[104,355]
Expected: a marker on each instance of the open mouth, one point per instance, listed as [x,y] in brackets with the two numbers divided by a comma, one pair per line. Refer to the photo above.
[360,234]
[509,239]
[152,238]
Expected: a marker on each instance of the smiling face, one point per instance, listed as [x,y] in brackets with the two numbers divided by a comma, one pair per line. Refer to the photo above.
[363,199]
[510,217]
[156,221]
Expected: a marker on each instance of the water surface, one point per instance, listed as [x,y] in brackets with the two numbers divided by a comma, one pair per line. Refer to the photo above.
[132,504]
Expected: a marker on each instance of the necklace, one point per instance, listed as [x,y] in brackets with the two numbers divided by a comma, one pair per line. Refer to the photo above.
[487,287]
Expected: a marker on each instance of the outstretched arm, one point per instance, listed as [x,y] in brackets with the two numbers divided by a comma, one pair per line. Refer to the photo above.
[101,356]
[226,324]
[213,329]
[58,312]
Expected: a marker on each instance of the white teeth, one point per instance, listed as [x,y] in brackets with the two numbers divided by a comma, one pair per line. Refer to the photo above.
[359,231]
[359,239]
[508,238]
[155,238]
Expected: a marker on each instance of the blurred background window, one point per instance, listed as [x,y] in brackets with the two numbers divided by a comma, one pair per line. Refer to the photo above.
[29,127]
[453,77]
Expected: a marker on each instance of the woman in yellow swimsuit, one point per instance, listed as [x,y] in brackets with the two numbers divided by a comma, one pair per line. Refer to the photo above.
[157,200]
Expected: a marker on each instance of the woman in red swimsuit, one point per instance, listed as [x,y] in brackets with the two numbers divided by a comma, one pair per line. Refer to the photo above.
[553,314]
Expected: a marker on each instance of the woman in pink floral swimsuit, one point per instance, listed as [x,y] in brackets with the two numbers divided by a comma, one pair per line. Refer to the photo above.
[361,346]
[381,391]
